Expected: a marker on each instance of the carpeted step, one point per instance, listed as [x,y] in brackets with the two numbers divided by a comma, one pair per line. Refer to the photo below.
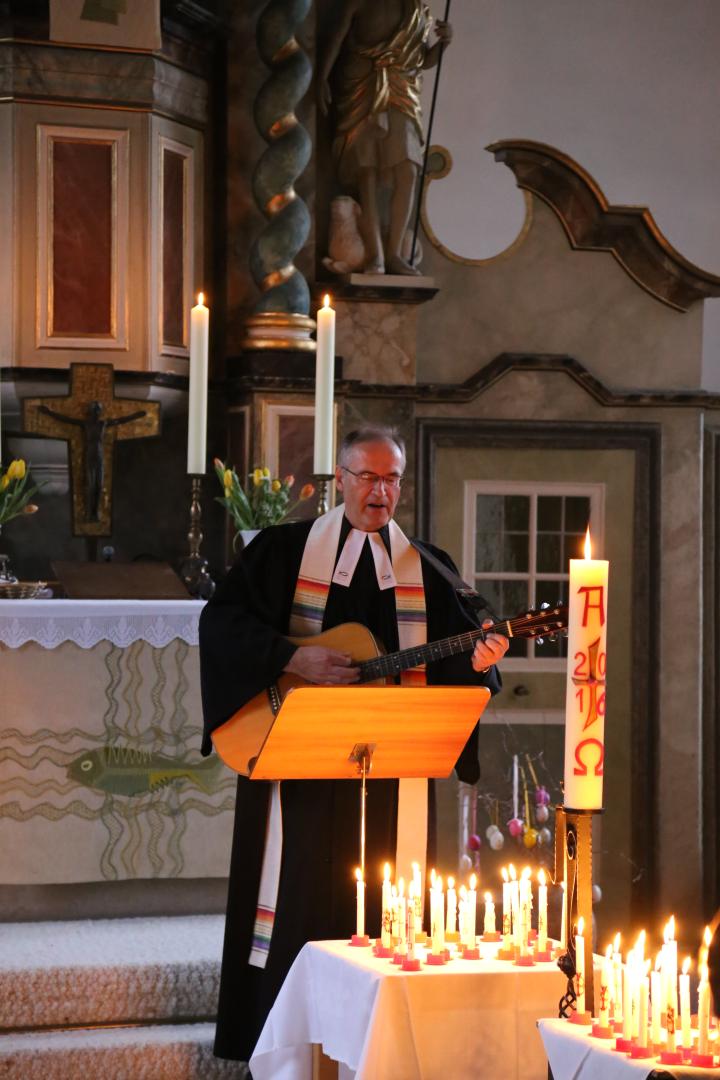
[109,971]
[163,1052]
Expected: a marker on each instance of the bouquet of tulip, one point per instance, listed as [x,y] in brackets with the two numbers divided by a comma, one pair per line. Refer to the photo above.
[265,502]
[15,494]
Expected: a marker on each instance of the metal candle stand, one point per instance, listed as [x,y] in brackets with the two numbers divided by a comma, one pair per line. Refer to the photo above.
[573,865]
[194,568]
[322,482]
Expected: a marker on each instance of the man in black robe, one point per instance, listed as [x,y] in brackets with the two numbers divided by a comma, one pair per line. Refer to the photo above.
[243,649]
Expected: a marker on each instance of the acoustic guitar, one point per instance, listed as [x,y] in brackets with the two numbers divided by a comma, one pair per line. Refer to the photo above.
[239,740]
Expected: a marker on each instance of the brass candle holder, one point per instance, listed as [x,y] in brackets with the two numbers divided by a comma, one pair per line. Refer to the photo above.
[194,567]
[322,485]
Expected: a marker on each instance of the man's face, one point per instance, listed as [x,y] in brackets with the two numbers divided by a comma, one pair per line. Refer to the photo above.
[370,504]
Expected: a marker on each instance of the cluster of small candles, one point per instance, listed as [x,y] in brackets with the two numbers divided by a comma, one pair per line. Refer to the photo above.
[453,917]
[639,1008]
[638,1005]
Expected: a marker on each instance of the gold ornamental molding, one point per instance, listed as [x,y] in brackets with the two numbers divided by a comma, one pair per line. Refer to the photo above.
[440,163]
[629,233]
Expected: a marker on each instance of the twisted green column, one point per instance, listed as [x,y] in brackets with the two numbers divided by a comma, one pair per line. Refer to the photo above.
[281,318]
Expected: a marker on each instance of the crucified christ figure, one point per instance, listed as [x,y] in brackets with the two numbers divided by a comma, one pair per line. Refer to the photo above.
[377,54]
[94,426]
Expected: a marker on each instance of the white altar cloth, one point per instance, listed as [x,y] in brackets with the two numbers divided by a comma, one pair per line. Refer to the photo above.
[467,1019]
[573,1054]
[87,622]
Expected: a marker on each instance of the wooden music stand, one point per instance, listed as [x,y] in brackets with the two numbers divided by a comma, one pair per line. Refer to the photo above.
[351,732]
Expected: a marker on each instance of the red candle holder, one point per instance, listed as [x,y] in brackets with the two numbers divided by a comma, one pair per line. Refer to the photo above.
[382,952]
[471,954]
[623,1046]
[436,959]
[506,954]
[641,1051]
[399,957]
[703,1061]
[543,957]
[360,941]
[671,1057]
[525,961]
[599,1031]
[411,965]
[584,1019]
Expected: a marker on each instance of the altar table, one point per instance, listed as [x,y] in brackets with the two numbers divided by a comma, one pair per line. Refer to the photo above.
[101,777]
[468,1019]
[573,1054]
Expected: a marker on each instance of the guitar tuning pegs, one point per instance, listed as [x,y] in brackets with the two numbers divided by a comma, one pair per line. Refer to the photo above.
[544,606]
[540,641]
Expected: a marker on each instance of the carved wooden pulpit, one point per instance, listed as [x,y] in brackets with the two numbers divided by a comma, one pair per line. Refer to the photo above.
[91,419]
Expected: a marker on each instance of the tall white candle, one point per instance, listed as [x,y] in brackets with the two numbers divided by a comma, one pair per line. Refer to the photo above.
[525,908]
[489,920]
[515,906]
[606,977]
[197,403]
[394,928]
[628,1000]
[451,924]
[402,915]
[542,913]
[324,390]
[437,916]
[472,910]
[703,1011]
[585,688]
[685,1004]
[386,929]
[410,928]
[506,911]
[360,903]
[617,988]
[463,917]
[580,966]
[642,1037]
[656,998]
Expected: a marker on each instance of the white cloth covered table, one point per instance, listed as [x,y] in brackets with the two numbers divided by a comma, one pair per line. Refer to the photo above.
[87,622]
[573,1054]
[466,1019]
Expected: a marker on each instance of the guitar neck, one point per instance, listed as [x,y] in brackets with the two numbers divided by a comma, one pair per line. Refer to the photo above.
[395,663]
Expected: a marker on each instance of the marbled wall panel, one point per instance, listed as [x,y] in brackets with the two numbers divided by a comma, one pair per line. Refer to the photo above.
[547,298]
[173,239]
[82,238]
[377,341]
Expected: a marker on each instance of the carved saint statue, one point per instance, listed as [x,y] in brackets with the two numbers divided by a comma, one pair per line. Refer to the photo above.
[376,55]
[93,427]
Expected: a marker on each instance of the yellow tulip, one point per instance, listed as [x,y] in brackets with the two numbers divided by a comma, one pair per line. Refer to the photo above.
[228,492]
[4,482]
[227,480]
[276,485]
[266,473]
[16,469]
[257,477]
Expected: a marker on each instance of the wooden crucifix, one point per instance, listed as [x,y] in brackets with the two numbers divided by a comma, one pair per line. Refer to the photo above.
[91,419]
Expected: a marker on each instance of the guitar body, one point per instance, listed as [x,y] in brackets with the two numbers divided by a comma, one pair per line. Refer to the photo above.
[239,740]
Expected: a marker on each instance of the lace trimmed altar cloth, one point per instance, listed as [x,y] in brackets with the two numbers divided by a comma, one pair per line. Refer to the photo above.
[87,622]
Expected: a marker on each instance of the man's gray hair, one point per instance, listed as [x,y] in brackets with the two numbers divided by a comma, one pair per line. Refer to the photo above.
[370,433]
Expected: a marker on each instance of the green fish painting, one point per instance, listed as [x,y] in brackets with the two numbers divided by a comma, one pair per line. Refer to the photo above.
[123,770]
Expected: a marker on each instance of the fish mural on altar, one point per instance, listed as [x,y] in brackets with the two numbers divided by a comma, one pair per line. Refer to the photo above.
[125,770]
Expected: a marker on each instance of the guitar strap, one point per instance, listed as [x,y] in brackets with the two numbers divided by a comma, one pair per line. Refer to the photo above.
[464,591]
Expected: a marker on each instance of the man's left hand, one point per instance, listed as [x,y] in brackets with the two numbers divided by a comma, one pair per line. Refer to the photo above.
[488,652]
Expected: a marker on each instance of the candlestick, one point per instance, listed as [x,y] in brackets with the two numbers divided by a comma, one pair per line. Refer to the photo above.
[197,403]
[585,689]
[489,919]
[194,567]
[542,913]
[324,390]
[685,1022]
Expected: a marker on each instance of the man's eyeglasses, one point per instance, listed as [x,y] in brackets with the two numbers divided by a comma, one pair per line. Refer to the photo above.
[391,481]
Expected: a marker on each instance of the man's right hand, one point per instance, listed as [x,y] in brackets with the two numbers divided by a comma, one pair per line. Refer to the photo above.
[325,667]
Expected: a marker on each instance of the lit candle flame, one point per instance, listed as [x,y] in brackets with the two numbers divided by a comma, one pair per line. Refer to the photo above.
[513,875]
[707,937]
[473,882]
[541,877]
[358,874]
[451,883]
[609,951]
[640,943]
[386,872]
[686,965]
[580,926]
[527,872]
[326,300]
[504,874]
[671,928]
[588,545]
[616,942]
[201,299]
[433,878]
[463,892]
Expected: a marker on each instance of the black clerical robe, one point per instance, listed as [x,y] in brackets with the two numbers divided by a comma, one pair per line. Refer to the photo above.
[243,648]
